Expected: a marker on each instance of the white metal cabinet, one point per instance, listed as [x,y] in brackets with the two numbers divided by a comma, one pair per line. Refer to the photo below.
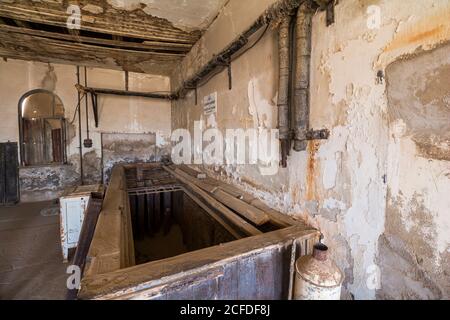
[72,216]
[72,211]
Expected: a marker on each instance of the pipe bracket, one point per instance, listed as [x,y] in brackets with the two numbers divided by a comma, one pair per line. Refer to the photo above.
[322,134]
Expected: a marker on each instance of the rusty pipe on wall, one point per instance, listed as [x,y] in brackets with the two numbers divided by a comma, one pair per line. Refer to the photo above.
[283,88]
[302,75]
[275,12]
[79,129]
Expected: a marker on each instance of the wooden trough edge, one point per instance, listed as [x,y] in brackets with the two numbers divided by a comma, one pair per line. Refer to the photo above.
[135,280]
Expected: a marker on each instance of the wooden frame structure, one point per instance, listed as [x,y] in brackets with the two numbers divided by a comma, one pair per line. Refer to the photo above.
[256,266]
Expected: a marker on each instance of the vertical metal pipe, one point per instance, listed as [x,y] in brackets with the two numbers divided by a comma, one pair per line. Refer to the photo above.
[79,129]
[302,75]
[283,88]
[87,104]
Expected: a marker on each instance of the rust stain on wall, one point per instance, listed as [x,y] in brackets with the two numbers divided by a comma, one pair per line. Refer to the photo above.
[427,150]
[433,29]
[312,170]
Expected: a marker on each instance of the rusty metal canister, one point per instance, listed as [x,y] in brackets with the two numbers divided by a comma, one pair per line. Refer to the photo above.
[317,277]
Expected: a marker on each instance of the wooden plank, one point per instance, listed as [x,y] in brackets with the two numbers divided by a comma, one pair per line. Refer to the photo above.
[266,279]
[134,23]
[147,45]
[106,250]
[104,253]
[251,213]
[238,221]
[129,231]
[167,219]
[206,290]
[150,214]
[157,212]
[144,277]
[2,174]
[28,47]
[133,210]
[214,215]
[141,214]
[86,234]
[180,289]
[278,218]
[228,284]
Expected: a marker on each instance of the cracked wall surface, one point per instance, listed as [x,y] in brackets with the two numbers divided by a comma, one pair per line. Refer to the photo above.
[344,186]
[415,247]
[121,115]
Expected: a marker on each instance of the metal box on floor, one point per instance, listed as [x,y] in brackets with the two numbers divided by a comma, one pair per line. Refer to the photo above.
[72,209]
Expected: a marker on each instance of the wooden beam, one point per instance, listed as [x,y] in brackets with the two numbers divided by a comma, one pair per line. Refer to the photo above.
[214,215]
[136,23]
[126,283]
[228,214]
[277,218]
[152,46]
[247,211]
[28,47]
[22,24]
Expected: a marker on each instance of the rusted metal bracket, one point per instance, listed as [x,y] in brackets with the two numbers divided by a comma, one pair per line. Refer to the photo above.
[322,134]
[227,64]
[230,77]
[195,88]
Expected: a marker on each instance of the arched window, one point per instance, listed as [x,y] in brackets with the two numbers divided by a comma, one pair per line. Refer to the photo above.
[42,129]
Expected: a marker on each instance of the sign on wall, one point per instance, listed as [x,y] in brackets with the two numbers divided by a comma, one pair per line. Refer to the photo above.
[210,104]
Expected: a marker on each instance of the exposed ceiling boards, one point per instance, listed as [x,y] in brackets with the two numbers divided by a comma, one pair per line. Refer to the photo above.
[188,15]
[148,36]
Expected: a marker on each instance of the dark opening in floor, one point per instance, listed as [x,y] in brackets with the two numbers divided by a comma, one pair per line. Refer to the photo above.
[170,223]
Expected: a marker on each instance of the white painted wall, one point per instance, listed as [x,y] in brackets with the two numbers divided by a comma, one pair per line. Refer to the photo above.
[116,114]
[337,185]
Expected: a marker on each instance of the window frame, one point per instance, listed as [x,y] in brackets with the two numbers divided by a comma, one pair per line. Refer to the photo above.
[21,131]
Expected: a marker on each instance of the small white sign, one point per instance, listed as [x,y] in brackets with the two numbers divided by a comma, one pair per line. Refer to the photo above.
[210,104]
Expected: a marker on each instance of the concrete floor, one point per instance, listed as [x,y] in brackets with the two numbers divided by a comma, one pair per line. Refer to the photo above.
[31,264]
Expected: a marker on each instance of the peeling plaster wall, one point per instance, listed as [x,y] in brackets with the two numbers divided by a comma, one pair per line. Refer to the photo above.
[341,185]
[123,115]
[131,148]
[415,247]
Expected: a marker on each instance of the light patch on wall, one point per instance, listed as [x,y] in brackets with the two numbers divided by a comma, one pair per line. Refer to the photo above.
[211,121]
[259,108]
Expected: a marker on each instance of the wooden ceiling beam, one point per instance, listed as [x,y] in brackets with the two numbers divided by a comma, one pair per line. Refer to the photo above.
[33,48]
[149,46]
[136,24]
